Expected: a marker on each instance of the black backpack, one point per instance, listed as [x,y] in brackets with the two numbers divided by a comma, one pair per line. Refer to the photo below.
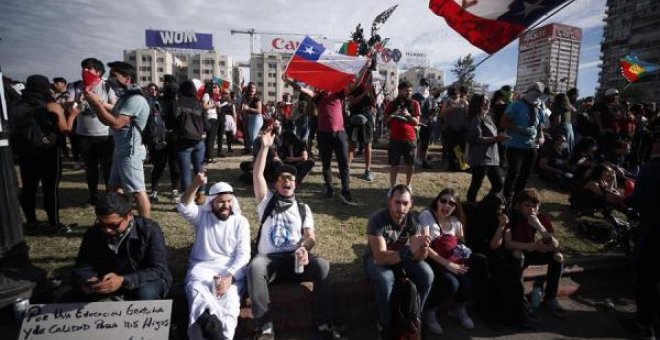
[154,134]
[191,118]
[31,126]
[405,308]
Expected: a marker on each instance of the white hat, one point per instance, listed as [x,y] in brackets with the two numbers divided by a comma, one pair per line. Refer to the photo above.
[611,92]
[537,86]
[220,188]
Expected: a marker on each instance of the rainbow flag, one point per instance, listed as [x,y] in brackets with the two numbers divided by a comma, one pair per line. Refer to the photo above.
[632,68]
[223,84]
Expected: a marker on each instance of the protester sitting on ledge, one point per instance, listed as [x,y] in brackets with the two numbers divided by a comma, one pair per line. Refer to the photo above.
[553,162]
[122,256]
[526,221]
[218,259]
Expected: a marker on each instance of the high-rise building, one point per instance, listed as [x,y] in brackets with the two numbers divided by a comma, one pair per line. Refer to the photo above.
[434,76]
[549,54]
[631,28]
[266,71]
[153,63]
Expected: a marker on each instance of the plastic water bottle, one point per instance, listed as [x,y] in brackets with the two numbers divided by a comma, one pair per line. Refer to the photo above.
[535,295]
[298,267]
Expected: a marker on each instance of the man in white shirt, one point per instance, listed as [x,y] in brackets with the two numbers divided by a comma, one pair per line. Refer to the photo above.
[218,260]
[284,238]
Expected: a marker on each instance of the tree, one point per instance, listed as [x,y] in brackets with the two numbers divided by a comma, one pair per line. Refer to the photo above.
[464,71]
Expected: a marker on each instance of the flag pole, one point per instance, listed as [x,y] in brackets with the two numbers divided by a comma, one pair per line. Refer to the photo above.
[526,30]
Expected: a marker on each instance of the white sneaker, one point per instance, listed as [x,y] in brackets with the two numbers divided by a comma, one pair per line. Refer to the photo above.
[431,322]
[463,317]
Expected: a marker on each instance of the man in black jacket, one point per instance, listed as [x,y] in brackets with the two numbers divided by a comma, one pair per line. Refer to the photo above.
[121,257]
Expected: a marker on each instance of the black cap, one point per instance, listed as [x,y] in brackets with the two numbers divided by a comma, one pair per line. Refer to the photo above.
[286,169]
[59,80]
[424,82]
[122,67]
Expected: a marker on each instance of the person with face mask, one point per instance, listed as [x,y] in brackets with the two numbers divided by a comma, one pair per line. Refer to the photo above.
[429,108]
[127,120]
[216,277]
[523,122]
[94,138]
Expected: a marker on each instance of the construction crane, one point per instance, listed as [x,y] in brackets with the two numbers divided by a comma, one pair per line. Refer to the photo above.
[251,32]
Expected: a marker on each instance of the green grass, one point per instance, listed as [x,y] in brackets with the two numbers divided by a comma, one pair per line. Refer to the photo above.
[340,229]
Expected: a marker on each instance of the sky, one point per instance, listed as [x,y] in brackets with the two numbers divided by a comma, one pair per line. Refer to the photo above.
[52,37]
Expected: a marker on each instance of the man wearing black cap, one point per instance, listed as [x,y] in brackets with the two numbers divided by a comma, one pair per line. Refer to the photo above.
[285,237]
[429,109]
[59,90]
[127,121]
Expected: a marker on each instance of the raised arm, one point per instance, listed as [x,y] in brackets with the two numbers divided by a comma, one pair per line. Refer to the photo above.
[258,179]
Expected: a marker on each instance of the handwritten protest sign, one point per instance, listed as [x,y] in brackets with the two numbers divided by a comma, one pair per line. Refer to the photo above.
[130,320]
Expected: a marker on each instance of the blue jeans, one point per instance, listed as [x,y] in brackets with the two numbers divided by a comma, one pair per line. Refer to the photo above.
[254,124]
[419,272]
[189,152]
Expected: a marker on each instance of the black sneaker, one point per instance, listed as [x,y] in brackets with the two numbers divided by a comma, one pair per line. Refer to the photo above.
[330,332]
[329,192]
[347,199]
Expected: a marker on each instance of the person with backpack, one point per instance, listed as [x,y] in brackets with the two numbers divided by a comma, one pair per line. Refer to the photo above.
[37,126]
[190,135]
[395,242]
[448,258]
[127,121]
[94,138]
[285,238]
[523,121]
[155,139]
[169,101]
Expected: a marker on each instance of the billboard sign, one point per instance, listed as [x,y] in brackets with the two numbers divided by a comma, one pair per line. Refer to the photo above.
[414,58]
[178,39]
[288,43]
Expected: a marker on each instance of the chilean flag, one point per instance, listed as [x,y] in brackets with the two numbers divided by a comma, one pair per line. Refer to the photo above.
[320,67]
[491,24]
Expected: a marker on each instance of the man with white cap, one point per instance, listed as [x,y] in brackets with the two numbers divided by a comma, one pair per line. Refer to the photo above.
[523,121]
[218,260]
[284,238]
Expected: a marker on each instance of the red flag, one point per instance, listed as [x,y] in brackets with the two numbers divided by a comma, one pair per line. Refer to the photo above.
[492,24]
[318,66]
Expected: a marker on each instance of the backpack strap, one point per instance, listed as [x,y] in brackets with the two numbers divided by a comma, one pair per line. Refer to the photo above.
[270,207]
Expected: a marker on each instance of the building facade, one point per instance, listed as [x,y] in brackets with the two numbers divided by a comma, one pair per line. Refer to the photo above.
[434,76]
[549,54]
[631,28]
[153,63]
[266,70]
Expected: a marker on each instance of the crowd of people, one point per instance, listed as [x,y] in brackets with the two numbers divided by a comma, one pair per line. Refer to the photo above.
[453,251]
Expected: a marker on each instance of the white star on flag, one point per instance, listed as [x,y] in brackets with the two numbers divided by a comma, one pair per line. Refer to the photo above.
[530,7]
[309,49]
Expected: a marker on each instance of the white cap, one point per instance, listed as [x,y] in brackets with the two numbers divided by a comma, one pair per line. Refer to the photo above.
[220,188]
[611,92]
[537,86]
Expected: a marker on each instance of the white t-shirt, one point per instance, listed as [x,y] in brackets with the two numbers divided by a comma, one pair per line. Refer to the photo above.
[281,232]
[88,123]
[212,112]
[426,220]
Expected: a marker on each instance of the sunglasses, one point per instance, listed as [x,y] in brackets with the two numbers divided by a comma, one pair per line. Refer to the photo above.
[446,201]
[114,226]
[287,177]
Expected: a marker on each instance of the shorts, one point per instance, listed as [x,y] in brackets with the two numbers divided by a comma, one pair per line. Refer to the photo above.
[400,148]
[128,172]
[362,133]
